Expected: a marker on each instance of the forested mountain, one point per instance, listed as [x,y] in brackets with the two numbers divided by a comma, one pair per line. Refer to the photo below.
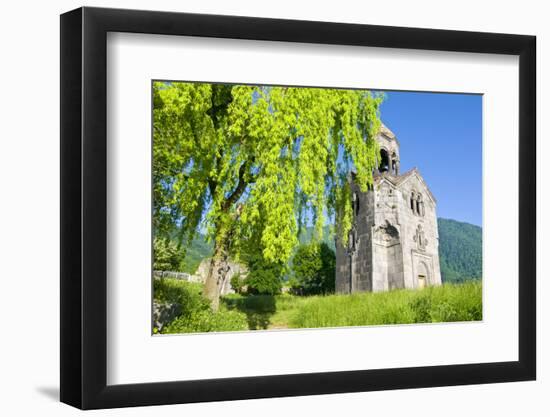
[199,249]
[460,250]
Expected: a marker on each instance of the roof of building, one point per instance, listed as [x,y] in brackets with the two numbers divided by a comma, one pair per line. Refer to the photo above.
[386,131]
[397,180]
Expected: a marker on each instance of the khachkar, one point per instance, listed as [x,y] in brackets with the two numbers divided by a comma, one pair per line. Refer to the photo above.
[394,239]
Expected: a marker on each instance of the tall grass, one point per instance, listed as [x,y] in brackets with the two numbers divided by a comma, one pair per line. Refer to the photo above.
[434,304]
[446,303]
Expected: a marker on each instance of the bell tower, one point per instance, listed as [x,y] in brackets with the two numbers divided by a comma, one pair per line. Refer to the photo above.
[389,152]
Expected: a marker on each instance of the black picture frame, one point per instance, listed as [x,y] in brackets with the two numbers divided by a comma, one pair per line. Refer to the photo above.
[84,207]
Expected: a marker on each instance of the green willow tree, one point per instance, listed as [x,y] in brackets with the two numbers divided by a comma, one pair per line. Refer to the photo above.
[254,163]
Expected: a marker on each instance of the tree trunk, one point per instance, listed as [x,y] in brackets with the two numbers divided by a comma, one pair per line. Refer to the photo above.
[216,275]
[219,264]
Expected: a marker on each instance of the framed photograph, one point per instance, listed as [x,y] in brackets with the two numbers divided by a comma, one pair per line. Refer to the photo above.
[257,208]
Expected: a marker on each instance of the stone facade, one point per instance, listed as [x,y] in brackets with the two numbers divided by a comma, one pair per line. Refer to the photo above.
[234,268]
[394,241]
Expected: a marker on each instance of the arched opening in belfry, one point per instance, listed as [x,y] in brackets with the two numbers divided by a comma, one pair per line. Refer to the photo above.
[394,164]
[384,165]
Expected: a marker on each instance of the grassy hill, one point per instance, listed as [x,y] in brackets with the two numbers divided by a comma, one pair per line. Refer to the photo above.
[460,250]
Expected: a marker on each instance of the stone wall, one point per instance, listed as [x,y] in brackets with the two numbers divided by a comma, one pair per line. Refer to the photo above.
[387,238]
[202,272]
[234,269]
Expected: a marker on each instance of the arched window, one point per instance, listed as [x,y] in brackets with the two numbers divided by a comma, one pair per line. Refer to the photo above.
[355,204]
[413,201]
[418,204]
[384,161]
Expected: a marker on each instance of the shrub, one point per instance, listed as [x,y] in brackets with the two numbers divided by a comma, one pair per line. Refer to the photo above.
[263,282]
[264,278]
[208,321]
[237,283]
[166,256]
[187,295]
[196,314]
[314,269]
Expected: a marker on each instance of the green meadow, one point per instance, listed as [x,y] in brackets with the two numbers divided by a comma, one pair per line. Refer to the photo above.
[446,303]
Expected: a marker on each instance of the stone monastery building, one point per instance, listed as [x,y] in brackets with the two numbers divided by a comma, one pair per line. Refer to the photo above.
[394,239]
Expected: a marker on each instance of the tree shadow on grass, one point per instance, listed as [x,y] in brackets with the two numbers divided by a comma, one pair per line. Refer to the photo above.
[258,309]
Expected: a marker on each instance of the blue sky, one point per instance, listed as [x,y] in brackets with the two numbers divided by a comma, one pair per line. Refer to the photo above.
[441,134]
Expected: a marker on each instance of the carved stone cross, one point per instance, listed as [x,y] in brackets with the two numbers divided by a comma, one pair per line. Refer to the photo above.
[420,238]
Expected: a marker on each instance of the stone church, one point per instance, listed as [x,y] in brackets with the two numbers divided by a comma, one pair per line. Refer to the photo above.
[394,239]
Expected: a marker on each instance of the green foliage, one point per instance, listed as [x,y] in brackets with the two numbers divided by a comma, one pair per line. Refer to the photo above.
[307,235]
[166,256]
[187,294]
[460,250]
[196,314]
[253,160]
[171,256]
[313,266]
[207,321]
[264,277]
[237,283]
[197,250]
